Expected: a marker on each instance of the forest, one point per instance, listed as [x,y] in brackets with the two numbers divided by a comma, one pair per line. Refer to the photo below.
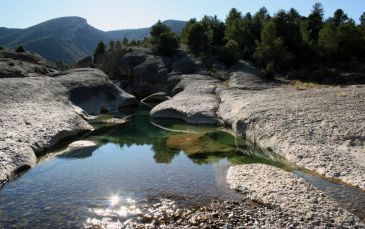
[308,48]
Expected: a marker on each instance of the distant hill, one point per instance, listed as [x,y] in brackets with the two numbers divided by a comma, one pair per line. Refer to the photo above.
[139,34]
[69,38]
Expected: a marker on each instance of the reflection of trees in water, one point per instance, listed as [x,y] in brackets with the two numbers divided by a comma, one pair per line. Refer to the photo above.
[139,131]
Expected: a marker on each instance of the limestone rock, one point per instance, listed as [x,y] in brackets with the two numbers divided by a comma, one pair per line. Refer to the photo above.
[307,206]
[13,64]
[196,103]
[156,97]
[320,129]
[38,112]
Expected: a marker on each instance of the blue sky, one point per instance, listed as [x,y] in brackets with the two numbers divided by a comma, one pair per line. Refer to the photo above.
[120,14]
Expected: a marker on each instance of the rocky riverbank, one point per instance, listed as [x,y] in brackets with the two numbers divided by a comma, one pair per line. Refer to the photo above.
[38,111]
[319,129]
[283,191]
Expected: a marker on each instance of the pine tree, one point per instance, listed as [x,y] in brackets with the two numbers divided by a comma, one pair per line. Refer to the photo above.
[99,50]
[270,51]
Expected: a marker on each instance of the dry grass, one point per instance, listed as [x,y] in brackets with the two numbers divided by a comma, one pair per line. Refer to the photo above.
[299,85]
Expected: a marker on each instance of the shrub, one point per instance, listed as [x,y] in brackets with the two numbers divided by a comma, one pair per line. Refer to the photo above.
[20,49]
[230,53]
[99,50]
[163,41]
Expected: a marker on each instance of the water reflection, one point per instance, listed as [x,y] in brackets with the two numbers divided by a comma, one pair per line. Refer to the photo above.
[202,144]
[133,174]
[113,216]
[114,200]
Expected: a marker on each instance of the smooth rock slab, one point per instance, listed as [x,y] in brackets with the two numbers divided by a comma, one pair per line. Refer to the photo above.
[320,129]
[308,207]
[196,102]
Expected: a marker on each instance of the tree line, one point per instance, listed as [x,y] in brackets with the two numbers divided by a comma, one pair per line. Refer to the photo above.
[285,42]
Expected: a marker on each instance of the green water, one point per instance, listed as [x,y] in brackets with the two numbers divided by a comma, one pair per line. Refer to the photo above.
[135,167]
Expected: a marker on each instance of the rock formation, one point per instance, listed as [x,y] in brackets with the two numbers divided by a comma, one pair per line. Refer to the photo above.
[38,111]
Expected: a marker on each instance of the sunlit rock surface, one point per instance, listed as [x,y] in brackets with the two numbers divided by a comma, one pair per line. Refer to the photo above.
[38,112]
[283,191]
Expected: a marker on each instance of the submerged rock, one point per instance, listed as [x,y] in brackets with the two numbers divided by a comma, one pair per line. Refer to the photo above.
[306,206]
[200,143]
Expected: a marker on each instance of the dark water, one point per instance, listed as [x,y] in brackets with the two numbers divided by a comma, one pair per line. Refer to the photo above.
[136,167]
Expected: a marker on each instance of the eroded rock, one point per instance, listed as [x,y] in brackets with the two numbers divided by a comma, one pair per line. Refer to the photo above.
[195,103]
[281,190]
[38,112]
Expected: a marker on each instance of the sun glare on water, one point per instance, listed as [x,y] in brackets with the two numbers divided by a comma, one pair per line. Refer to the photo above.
[114,200]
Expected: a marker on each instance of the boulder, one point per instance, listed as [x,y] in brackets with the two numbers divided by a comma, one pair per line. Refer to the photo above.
[195,101]
[147,73]
[184,64]
[93,91]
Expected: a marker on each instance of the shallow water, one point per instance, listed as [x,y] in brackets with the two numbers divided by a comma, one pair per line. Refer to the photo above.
[131,168]
[136,168]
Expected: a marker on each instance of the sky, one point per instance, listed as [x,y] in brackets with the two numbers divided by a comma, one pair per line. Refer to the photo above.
[120,14]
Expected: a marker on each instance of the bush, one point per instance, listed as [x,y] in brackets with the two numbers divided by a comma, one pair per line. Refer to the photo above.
[230,53]
[99,50]
[197,39]
[269,71]
[163,41]
[20,49]
[62,66]
[1,48]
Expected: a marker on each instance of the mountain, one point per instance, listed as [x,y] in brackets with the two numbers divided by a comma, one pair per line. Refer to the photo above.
[69,38]
[139,34]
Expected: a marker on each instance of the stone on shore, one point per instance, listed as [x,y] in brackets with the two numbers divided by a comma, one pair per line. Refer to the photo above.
[281,190]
